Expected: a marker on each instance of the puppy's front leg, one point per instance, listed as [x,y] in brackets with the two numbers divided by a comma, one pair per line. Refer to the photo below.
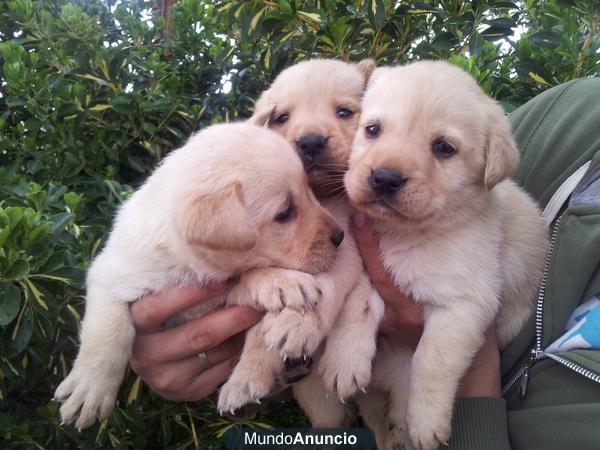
[323,410]
[452,336]
[347,361]
[254,376]
[272,289]
[107,334]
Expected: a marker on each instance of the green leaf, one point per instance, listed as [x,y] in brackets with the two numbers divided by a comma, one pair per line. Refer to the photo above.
[134,392]
[10,303]
[14,216]
[4,233]
[310,16]
[376,12]
[21,334]
[100,107]
[39,297]
[445,42]
[256,18]
[545,38]
[285,7]
[72,200]
[502,22]
[538,79]
[476,44]
[19,269]
[36,234]
[510,5]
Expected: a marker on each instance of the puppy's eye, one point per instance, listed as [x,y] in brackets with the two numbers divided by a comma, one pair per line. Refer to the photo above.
[373,130]
[286,215]
[281,118]
[344,113]
[442,149]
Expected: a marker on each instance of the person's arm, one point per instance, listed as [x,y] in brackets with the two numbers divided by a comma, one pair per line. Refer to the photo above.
[479,420]
[190,361]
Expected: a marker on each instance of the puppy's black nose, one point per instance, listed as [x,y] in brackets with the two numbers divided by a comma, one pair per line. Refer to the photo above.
[337,237]
[310,147]
[386,181]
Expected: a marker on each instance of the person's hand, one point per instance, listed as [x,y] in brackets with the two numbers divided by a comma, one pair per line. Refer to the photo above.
[483,377]
[190,361]
[403,318]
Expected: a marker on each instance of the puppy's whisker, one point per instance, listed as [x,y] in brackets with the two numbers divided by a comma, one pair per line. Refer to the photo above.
[333,164]
[339,193]
[332,184]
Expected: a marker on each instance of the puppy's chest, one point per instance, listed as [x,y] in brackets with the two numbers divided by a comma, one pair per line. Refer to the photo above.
[433,270]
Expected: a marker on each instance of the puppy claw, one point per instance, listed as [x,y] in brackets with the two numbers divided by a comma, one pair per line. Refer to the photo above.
[291,333]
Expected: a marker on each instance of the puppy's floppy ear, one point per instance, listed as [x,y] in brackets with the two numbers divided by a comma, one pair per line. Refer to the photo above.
[501,154]
[262,115]
[218,221]
[366,67]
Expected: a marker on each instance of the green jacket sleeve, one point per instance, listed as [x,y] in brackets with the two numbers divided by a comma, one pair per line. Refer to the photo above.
[479,424]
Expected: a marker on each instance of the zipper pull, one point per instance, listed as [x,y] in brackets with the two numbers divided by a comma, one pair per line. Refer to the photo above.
[524,380]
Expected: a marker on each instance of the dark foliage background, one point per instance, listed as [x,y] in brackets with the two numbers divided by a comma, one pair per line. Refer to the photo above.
[93,93]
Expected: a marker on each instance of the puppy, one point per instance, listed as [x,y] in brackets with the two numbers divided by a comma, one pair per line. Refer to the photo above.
[429,165]
[234,198]
[315,105]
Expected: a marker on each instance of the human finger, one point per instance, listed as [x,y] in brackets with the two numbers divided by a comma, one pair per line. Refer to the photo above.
[149,313]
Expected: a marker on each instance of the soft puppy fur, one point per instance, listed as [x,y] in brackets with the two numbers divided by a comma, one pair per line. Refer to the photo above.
[430,165]
[315,105]
[234,198]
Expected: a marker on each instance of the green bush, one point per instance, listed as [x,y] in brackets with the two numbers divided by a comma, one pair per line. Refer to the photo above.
[92,95]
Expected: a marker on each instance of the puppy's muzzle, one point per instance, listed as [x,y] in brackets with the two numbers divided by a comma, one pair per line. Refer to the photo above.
[386,182]
[310,147]
[337,237]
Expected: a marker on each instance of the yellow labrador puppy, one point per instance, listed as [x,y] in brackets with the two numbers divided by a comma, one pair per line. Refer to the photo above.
[430,164]
[234,198]
[315,105]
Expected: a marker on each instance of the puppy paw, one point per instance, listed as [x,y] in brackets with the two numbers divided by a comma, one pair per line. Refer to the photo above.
[346,367]
[397,437]
[85,397]
[428,427]
[346,379]
[293,334]
[275,289]
[243,387]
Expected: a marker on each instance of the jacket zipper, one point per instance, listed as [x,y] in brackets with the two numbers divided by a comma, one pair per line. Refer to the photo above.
[521,376]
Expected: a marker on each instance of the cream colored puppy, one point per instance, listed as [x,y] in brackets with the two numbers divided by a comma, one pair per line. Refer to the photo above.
[234,198]
[430,164]
[315,105]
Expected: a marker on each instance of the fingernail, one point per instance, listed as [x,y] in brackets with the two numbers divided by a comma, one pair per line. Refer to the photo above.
[359,219]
